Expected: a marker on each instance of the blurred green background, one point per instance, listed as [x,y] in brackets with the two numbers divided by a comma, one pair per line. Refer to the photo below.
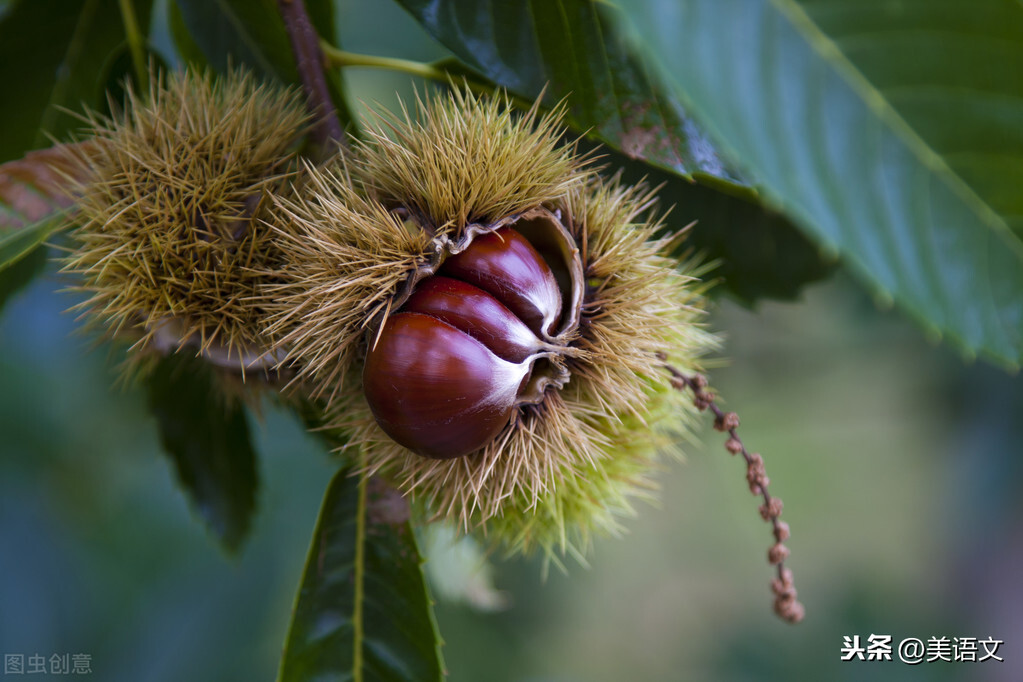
[899,466]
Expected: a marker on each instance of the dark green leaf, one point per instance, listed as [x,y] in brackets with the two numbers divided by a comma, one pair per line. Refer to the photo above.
[577,50]
[362,610]
[120,71]
[574,48]
[890,131]
[953,73]
[321,13]
[52,54]
[18,245]
[187,48]
[20,274]
[206,435]
[240,32]
[758,252]
[247,32]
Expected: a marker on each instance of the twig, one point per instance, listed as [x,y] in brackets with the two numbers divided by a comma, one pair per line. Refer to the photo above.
[305,44]
[342,59]
[785,603]
[435,71]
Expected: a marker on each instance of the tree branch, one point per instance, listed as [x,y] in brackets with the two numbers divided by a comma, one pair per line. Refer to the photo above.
[305,44]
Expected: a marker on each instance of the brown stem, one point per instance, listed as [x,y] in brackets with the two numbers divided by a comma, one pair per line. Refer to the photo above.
[785,603]
[305,44]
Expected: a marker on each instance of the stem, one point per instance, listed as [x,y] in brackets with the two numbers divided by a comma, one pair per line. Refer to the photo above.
[340,59]
[428,71]
[135,43]
[305,44]
[359,577]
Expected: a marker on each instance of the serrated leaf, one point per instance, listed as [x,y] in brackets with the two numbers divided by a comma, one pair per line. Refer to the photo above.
[206,436]
[52,54]
[952,72]
[362,611]
[889,131]
[577,49]
[758,252]
[573,47]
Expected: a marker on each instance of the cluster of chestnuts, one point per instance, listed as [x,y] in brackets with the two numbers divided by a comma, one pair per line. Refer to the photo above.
[482,337]
[477,312]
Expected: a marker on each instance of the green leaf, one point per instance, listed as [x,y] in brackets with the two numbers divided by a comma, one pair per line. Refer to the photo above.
[574,48]
[30,199]
[889,131]
[240,31]
[20,244]
[206,435]
[187,48]
[52,54]
[119,72]
[577,49]
[247,32]
[757,251]
[321,13]
[952,73]
[19,275]
[362,611]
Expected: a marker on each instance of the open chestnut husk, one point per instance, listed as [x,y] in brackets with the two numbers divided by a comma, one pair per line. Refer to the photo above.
[446,372]
[484,320]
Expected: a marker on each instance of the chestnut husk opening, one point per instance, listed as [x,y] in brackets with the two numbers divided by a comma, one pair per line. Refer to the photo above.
[546,233]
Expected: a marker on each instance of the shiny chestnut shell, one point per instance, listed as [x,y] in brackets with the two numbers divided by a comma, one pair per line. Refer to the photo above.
[447,371]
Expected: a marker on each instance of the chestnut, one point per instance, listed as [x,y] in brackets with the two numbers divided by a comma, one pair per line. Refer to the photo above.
[447,371]
[506,266]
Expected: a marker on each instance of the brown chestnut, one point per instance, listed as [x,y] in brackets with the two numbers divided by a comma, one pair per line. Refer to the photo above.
[436,390]
[447,371]
[506,266]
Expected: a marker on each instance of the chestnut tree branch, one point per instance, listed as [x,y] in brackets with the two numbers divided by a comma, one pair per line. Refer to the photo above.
[305,44]
[785,603]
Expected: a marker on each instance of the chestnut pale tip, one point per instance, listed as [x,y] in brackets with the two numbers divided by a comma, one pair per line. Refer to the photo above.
[436,390]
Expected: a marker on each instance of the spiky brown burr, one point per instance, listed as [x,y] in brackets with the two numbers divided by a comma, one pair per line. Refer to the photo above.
[418,190]
[170,241]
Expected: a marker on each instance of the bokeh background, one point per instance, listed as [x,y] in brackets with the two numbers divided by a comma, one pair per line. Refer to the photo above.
[898,462]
